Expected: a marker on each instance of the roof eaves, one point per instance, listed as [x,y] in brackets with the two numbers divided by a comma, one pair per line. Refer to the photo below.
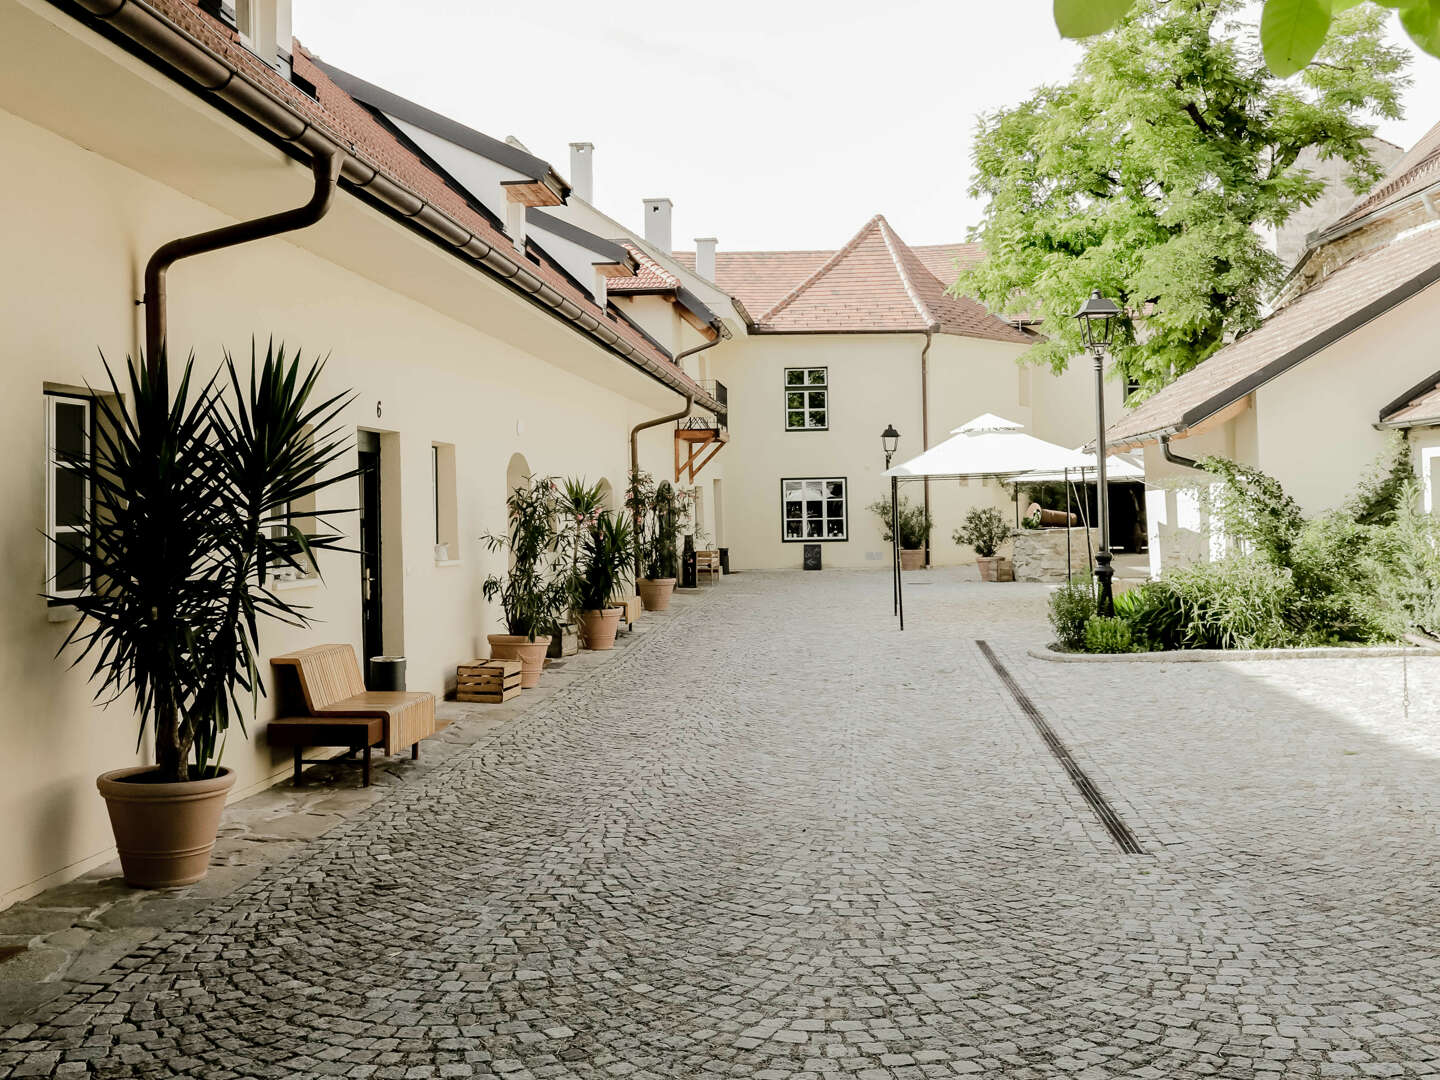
[1424,386]
[1292,357]
[611,251]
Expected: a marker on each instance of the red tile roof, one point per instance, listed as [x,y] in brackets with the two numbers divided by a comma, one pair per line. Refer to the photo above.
[760,280]
[1421,410]
[650,277]
[875,283]
[351,125]
[1361,290]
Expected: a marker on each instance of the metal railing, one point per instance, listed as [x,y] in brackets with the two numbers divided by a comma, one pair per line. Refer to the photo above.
[721,419]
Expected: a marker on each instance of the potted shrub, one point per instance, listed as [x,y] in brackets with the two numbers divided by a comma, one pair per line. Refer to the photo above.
[985,529]
[608,551]
[531,596]
[915,526]
[657,510]
[189,514]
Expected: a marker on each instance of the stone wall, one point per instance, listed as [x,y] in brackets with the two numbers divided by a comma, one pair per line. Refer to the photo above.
[1040,553]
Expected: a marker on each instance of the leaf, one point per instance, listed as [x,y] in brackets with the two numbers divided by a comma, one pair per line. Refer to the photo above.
[1422,23]
[1291,33]
[1085,18]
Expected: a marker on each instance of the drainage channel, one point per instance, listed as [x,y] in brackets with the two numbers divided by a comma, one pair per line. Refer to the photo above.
[1114,825]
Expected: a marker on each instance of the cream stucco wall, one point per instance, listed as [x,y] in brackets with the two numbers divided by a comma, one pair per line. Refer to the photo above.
[77,226]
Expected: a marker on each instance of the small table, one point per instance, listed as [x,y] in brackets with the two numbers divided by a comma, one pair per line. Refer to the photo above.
[352,732]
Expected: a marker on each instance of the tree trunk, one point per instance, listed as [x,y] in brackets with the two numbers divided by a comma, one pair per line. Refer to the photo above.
[171,755]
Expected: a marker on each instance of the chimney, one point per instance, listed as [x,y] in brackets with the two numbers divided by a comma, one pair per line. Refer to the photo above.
[705,257]
[657,223]
[582,170]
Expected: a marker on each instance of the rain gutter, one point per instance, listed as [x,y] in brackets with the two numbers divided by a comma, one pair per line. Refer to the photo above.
[217,78]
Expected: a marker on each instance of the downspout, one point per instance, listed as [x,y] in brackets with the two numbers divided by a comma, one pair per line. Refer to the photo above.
[720,336]
[1178,459]
[925,425]
[325,166]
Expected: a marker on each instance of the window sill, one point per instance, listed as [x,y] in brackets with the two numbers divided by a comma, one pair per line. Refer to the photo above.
[295,583]
[58,613]
[449,562]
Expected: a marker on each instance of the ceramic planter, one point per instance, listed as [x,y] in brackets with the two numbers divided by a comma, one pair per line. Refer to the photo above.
[164,832]
[995,568]
[531,654]
[600,628]
[655,592]
[912,558]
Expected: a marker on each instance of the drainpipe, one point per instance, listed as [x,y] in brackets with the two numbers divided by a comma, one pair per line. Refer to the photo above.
[925,424]
[1177,459]
[720,335]
[325,166]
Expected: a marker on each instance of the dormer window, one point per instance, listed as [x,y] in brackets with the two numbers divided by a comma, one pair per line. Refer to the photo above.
[264,28]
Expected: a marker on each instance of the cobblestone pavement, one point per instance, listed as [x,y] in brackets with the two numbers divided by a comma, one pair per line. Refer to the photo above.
[784,840]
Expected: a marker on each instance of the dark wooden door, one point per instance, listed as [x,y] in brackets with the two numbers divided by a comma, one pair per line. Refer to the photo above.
[371,600]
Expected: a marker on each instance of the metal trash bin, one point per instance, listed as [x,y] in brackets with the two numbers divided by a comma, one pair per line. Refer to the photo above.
[724,560]
[387,673]
[812,556]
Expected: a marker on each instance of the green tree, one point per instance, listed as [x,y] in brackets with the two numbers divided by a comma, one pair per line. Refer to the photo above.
[1148,174]
[1291,31]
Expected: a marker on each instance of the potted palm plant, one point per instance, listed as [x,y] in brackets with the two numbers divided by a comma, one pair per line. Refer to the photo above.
[580,505]
[190,513]
[608,551]
[659,556]
[985,529]
[915,527]
[531,596]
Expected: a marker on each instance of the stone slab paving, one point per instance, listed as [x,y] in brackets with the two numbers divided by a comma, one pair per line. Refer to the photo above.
[781,839]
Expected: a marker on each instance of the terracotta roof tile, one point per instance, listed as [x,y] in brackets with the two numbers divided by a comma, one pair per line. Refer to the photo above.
[875,283]
[651,276]
[1358,289]
[353,126]
[1422,410]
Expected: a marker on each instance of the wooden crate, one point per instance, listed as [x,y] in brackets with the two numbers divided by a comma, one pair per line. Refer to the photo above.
[488,682]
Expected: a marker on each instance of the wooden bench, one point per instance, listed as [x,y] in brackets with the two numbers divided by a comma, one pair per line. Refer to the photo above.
[355,732]
[707,562]
[335,697]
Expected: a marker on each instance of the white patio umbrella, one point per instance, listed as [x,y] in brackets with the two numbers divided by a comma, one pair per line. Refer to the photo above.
[988,445]
[1117,467]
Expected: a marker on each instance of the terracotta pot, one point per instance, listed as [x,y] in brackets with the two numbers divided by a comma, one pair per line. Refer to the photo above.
[531,655]
[655,592]
[912,558]
[600,628]
[163,832]
[995,568]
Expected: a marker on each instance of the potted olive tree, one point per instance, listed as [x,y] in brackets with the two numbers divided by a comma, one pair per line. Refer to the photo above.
[608,551]
[532,596]
[656,511]
[915,526]
[189,513]
[985,529]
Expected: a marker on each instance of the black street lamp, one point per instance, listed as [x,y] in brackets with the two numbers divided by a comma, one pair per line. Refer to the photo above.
[889,441]
[1097,317]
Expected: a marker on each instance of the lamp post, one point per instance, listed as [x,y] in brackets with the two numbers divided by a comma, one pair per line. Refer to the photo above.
[1097,317]
[889,441]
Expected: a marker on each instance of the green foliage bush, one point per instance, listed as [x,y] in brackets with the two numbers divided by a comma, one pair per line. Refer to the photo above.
[1107,634]
[1072,605]
[1366,573]
[985,529]
[915,522]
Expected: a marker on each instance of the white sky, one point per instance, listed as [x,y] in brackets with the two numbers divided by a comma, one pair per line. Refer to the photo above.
[775,124]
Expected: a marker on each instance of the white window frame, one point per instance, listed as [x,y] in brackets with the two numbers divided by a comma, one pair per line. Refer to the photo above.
[808,388]
[800,484]
[53,399]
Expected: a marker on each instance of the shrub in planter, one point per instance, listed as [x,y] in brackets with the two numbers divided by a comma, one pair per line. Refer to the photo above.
[532,596]
[190,512]
[1108,635]
[657,513]
[1155,614]
[1072,605]
[985,529]
[579,505]
[608,550]
[1244,602]
[915,528]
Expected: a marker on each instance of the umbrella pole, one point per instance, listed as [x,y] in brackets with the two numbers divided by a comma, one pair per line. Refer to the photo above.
[895,536]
